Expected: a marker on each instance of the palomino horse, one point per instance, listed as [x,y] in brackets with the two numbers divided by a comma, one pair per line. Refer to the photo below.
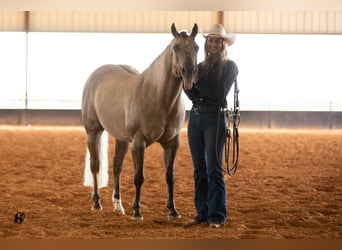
[138,108]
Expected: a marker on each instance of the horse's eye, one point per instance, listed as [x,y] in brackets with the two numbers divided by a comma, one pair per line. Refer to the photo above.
[176,48]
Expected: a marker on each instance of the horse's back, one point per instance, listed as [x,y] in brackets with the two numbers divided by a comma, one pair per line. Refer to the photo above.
[97,88]
[107,72]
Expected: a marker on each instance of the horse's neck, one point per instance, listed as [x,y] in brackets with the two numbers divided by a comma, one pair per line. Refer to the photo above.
[159,77]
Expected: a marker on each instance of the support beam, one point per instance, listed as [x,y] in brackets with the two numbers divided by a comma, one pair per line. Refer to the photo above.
[27,29]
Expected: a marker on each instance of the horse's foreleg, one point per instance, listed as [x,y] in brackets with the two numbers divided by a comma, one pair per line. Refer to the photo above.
[93,139]
[138,151]
[170,151]
[121,148]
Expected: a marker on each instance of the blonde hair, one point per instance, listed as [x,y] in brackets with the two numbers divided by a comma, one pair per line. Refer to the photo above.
[221,60]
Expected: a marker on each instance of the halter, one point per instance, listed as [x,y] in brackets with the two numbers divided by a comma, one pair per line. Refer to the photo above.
[232,117]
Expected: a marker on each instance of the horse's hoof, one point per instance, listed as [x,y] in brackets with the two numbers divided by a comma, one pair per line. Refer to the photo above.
[140,218]
[96,207]
[137,214]
[118,208]
[119,212]
[172,217]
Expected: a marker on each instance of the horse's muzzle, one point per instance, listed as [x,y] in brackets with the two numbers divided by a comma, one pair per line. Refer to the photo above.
[188,84]
[188,75]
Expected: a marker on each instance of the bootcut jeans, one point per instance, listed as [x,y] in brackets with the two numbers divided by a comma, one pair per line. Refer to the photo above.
[206,147]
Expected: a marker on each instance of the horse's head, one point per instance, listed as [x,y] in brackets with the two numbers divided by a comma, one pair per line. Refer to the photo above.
[184,63]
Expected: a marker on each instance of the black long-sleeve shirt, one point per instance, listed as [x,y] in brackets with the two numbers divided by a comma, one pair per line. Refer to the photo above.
[211,91]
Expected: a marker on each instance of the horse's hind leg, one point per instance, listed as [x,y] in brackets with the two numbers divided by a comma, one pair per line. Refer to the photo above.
[170,151]
[121,148]
[93,139]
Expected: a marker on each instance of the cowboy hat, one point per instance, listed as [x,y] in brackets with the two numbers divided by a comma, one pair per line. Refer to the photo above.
[217,30]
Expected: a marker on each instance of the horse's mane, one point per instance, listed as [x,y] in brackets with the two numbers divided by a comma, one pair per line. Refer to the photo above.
[159,62]
[129,69]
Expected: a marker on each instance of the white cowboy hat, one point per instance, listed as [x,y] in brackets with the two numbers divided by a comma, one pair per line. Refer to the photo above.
[217,30]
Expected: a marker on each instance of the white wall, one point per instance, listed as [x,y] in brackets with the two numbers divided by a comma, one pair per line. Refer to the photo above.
[277,72]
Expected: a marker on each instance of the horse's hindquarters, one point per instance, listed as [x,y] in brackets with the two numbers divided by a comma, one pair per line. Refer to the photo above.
[108,95]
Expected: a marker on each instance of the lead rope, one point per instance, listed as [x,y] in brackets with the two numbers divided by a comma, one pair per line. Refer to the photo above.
[232,117]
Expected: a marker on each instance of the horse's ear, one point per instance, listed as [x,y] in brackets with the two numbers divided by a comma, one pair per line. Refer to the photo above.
[194,30]
[174,30]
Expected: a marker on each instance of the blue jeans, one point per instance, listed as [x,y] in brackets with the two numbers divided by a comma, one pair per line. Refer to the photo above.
[206,151]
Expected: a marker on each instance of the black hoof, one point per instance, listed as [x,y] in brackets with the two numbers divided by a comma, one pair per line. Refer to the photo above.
[174,216]
[137,215]
[137,218]
[96,207]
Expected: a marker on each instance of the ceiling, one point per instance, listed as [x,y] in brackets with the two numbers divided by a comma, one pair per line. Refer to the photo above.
[240,16]
[174,5]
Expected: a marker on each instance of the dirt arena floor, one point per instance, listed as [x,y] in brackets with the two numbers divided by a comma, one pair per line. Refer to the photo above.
[288,186]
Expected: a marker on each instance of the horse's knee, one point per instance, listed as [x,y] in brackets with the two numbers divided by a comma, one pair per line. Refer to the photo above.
[139,180]
[138,151]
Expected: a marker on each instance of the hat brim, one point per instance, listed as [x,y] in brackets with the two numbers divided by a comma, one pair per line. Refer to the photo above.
[229,37]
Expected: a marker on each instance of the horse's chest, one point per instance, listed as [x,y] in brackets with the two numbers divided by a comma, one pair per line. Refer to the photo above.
[159,132]
[157,123]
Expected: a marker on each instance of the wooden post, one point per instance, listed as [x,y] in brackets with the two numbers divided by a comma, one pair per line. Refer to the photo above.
[27,29]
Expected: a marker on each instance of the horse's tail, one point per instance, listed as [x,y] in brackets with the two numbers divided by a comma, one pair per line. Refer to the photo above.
[102,175]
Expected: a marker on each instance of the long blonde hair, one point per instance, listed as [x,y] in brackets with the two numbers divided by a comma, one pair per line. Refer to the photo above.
[209,60]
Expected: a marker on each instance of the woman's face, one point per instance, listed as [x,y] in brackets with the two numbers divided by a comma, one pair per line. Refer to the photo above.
[214,45]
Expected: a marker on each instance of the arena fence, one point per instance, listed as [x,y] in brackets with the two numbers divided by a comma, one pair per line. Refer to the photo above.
[249,119]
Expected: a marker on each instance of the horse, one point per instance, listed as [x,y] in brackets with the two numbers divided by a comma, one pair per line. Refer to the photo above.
[137,109]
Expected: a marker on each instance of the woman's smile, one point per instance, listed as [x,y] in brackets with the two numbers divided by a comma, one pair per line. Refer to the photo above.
[215,44]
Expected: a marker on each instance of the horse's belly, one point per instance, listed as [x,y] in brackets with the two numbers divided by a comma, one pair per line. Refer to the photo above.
[112,120]
[119,134]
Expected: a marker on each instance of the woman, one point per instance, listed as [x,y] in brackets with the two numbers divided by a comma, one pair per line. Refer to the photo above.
[206,127]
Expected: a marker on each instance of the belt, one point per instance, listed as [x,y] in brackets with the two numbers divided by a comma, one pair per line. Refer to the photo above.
[202,109]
